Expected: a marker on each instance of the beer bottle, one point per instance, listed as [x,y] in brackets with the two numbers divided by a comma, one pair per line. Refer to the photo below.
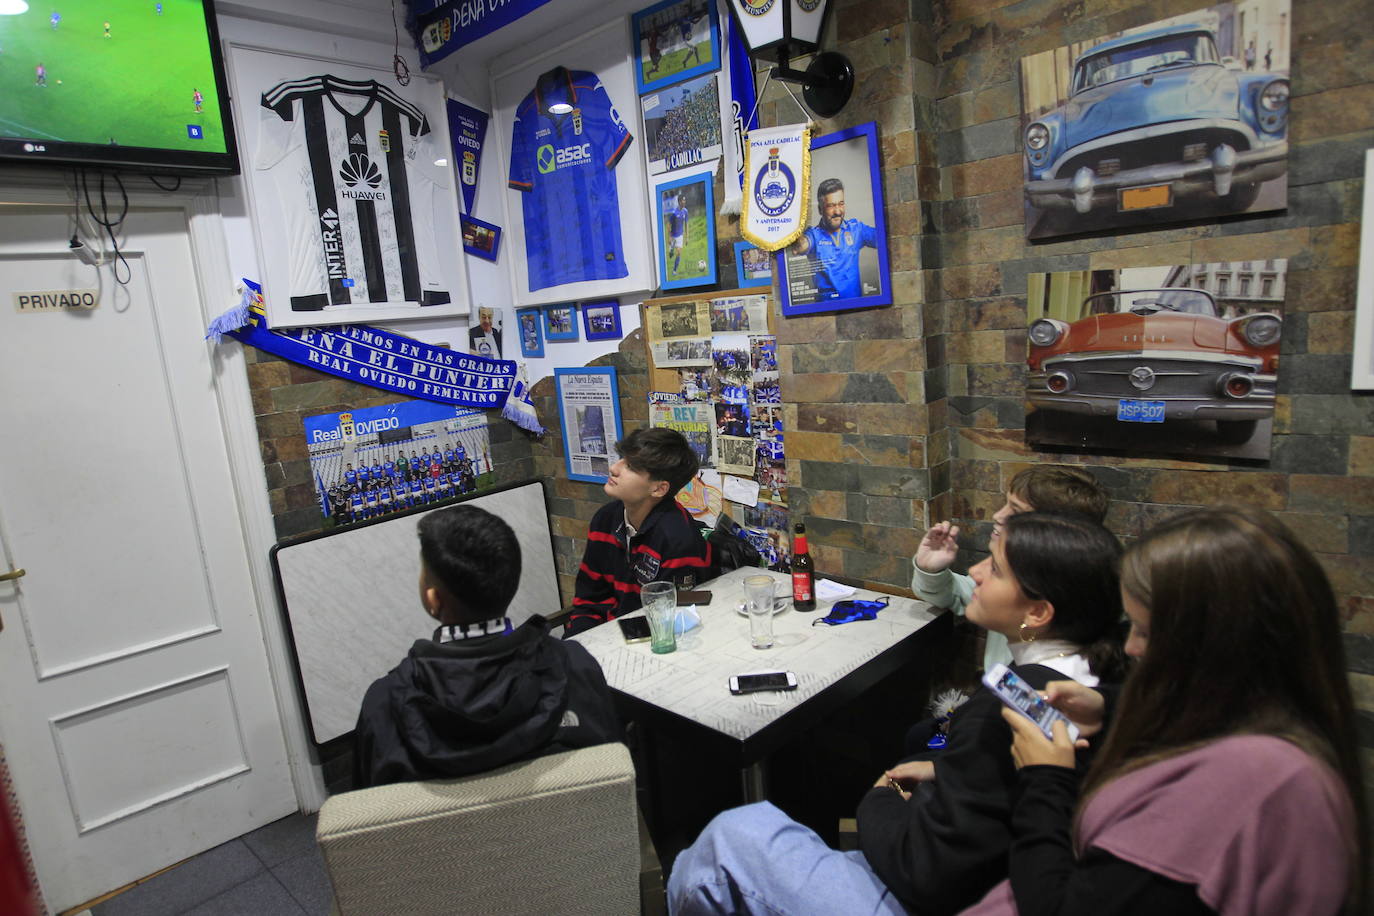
[803,573]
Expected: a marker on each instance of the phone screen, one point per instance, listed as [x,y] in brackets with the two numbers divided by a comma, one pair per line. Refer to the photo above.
[1019,695]
[777,680]
[634,629]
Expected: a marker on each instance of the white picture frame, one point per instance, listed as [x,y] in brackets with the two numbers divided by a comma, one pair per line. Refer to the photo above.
[1362,367]
[254,70]
[605,52]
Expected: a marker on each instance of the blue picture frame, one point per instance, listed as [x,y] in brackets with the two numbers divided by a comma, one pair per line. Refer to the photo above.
[650,72]
[601,319]
[746,277]
[558,326]
[850,155]
[696,195]
[480,238]
[529,325]
[608,437]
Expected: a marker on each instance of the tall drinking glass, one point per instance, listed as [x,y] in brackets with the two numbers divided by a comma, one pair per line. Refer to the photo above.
[660,606]
[758,594]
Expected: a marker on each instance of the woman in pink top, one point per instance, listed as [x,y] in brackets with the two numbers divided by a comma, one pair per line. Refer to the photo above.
[1229,782]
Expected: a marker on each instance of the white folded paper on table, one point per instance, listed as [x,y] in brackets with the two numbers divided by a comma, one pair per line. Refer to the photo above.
[832,591]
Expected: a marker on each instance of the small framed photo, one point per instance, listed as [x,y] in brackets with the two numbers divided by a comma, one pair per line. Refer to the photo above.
[687,232]
[479,238]
[601,320]
[531,335]
[675,40]
[560,322]
[753,265]
[841,262]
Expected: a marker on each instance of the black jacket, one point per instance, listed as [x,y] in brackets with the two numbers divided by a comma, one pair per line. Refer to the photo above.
[943,850]
[668,546]
[458,708]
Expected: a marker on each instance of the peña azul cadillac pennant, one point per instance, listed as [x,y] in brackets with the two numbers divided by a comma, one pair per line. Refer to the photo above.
[777,185]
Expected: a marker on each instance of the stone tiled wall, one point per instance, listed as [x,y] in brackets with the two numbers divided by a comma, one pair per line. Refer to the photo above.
[285,393]
[1320,480]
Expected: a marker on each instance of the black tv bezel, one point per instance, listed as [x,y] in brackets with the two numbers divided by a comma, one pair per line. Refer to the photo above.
[155,160]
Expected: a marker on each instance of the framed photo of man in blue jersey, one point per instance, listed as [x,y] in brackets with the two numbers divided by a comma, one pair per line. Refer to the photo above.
[840,262]
[675,40]
[686,232]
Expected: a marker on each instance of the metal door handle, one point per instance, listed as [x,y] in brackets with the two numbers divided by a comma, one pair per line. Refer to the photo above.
[13,574]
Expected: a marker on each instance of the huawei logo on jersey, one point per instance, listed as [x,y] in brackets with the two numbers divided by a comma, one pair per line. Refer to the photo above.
[357,170]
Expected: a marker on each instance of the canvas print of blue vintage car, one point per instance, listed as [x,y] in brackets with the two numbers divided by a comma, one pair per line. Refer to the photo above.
[1157,360]
[1178,120]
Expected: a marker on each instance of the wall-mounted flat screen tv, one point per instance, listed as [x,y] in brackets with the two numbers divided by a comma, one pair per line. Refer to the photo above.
[114,83]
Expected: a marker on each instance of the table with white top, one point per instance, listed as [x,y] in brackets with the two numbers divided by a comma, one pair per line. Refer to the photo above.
[688,689]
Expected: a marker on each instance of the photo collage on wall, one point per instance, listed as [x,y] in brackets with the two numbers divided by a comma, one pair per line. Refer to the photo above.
[380,460]
[714,378]
[677,53]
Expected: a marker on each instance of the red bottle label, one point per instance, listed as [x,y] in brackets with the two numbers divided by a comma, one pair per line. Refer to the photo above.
[801,587]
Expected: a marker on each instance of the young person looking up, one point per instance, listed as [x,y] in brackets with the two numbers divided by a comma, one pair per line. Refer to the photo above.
[480,693]
[1040,488]
[643,535]
[1230,780]
[934,830]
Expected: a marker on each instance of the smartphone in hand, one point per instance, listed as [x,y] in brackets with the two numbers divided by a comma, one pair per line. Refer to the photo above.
[1020,696]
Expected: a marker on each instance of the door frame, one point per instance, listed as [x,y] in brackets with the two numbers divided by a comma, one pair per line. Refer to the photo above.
[199,199]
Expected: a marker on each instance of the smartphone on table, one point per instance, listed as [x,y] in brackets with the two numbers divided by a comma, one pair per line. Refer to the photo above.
[769,680]
[1012,690]
[634,629]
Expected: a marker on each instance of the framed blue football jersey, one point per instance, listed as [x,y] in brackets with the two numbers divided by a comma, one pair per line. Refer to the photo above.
[564,167]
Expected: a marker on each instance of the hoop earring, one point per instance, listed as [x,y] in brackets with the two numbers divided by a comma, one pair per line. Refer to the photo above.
[1023,635]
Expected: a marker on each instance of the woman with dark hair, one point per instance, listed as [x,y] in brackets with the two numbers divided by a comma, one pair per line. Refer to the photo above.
[1229,782]
[934,830]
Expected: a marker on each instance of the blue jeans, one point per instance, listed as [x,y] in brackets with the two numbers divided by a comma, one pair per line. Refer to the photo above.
[757,860]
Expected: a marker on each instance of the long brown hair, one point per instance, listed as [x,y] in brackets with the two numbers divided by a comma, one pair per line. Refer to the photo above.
[1244,638]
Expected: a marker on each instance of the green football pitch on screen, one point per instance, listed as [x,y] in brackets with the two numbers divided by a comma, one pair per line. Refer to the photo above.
[133,85]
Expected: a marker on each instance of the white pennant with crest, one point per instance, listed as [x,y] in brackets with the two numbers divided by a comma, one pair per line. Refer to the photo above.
[777,185]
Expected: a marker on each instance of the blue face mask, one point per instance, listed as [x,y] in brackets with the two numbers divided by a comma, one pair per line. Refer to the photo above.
[851,610]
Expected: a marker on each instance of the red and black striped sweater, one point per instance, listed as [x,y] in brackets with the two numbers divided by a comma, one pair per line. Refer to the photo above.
[666,547]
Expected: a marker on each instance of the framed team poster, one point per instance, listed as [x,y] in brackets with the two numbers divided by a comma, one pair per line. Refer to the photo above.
[687,232]
[675,40]
[841,261]
[589,411]
[353,220]
[576,200]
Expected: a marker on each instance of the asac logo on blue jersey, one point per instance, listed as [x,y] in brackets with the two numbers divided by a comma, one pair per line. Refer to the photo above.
[549,158]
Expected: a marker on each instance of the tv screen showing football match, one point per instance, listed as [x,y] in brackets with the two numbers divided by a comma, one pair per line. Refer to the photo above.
[132,82]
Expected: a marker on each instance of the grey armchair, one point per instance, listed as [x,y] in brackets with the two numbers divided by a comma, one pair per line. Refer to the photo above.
[553,835]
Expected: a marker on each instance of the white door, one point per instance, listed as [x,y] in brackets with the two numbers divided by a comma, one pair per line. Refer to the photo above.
[136,707]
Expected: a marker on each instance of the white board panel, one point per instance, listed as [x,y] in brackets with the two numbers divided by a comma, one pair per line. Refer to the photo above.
[352,603]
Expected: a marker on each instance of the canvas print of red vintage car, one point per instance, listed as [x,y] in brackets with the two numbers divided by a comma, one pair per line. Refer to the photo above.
[1181,119]
[1156,360]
